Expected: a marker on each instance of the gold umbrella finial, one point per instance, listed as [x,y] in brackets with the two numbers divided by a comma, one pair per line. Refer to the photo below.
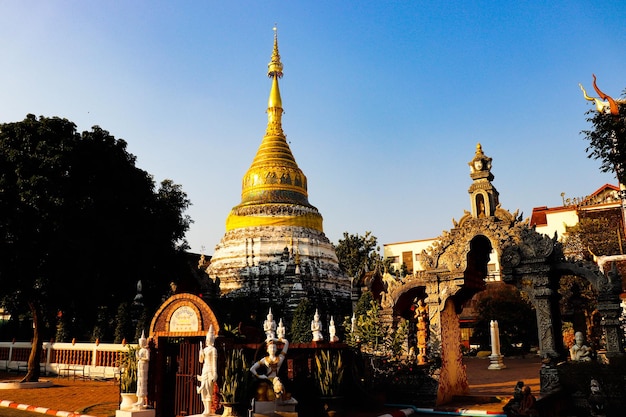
[275,67]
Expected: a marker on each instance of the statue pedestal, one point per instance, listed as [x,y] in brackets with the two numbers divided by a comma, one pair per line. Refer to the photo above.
[275,408]
[496,362]
[135,413]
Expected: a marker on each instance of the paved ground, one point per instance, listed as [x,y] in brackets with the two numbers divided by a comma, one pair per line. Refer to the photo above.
[100,398]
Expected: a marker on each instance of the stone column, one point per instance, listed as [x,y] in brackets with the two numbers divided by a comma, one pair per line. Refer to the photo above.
[495,357]
[434,319]
[612,331]
[542,296]
[609,306]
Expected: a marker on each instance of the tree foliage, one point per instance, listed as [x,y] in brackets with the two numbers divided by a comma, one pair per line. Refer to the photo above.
[357,253]
[578,307]
[80,224]
[607,141]
[600,234]
[301,322]
[370,334]
[515,315]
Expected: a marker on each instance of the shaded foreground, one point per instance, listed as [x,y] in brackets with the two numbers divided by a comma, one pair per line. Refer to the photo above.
[101,398]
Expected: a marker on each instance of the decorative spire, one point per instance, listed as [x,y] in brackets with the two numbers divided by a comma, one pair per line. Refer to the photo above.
[274,104]
[274,176]
[483,194]
[275,67]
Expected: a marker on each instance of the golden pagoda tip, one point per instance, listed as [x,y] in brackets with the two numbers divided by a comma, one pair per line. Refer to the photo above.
[275,67]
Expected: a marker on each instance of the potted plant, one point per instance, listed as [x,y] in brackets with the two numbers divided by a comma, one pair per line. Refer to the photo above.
[329,370]
[234,386]
[127,364]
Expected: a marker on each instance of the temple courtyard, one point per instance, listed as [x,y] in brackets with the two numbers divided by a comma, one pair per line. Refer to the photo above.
[101,398]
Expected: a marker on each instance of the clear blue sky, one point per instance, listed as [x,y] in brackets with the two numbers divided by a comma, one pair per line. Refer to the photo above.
[384,100]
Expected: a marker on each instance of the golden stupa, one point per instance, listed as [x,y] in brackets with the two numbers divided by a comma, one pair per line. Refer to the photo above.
[274,247]
[274,176]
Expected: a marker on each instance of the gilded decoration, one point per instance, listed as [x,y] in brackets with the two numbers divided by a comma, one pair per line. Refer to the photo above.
[274,249]
[604,103]
[194,305]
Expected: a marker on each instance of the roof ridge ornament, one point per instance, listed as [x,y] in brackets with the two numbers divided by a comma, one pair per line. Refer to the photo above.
[605,103]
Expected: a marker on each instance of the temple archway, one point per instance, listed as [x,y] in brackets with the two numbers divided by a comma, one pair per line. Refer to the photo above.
[177,330]
[455,269]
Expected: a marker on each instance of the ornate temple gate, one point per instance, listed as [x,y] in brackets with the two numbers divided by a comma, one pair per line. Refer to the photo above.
[177,329]
[534,263]
[455,269]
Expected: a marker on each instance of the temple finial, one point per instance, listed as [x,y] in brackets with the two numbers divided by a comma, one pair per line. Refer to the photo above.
[274,104]
[275,67]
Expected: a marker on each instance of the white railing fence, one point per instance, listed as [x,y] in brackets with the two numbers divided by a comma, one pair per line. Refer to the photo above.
[86,360]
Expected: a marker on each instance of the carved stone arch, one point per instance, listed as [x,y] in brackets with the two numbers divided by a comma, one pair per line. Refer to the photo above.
[404,295]
[608,288]
[586,270]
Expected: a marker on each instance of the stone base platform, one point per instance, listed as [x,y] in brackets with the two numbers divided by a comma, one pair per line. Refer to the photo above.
[16,384]
[275,408]
[135,413]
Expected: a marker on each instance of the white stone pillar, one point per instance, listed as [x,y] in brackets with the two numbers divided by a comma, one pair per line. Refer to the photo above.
[495,358]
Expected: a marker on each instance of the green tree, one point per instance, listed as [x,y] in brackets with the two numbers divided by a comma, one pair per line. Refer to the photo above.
[79,225]
[578,305]
[607,141]
[301,322]
[515,316]
[369,332]
[357,253]
[600,233]
[363,304]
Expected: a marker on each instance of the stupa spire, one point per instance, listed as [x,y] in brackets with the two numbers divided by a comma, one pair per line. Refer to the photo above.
[274,103]
[274,176]
[274,226]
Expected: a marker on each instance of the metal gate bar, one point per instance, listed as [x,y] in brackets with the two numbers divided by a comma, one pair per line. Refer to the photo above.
[187,401]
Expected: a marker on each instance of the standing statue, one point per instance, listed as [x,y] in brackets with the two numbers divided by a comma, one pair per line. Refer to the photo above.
[422,340]
[143,362]
[421,313]
[332,331]
[269,326]
[280,330]
[208,359]
[316,328]
[271,363]
[579,352]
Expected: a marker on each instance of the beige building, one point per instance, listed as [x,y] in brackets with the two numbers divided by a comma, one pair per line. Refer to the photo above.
[546,220]
[551,220]
[410,253]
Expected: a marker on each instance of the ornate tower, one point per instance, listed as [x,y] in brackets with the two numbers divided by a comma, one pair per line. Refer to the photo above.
[483,194]
[274,247]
